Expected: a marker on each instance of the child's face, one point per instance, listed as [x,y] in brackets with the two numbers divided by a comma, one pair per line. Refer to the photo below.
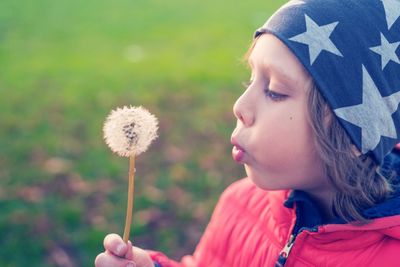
[273,137]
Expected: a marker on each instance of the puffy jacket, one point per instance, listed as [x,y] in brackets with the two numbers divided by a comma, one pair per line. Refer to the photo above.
[251,227]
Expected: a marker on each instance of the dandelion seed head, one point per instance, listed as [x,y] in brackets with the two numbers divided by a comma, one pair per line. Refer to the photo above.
[130,130]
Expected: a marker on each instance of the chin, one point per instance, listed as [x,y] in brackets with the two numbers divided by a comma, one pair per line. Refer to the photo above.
[264,183]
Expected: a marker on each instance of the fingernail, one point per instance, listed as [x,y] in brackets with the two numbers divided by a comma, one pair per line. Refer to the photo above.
[120,249]
[131,264]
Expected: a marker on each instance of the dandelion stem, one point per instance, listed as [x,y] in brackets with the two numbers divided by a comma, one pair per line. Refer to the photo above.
[131,189]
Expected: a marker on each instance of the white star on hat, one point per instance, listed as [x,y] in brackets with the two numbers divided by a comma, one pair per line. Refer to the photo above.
[317,38]
[387,51]
[373,115]
[392,11]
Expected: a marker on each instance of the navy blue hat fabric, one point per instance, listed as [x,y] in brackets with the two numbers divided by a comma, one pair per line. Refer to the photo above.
[351,48]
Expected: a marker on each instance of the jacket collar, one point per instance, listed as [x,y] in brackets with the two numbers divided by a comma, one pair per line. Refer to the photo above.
[307,213]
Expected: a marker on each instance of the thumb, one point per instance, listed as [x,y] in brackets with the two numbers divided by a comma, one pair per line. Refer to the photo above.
[114,244]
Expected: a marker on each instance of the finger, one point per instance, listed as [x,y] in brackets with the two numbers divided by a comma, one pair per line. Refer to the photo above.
[115,245]
[141,257]
[129,253]
[107,260]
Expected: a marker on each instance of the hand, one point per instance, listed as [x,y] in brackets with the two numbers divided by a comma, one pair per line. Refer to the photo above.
[119,254]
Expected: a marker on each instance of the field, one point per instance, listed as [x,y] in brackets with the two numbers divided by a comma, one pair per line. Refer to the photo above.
[63,66]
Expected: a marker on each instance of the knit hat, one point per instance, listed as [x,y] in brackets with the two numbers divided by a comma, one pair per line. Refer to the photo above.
[351,48]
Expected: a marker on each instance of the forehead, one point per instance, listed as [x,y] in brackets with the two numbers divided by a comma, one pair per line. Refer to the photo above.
[271,56]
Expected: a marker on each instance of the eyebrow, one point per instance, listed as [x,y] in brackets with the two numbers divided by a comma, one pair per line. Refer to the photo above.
[281,73]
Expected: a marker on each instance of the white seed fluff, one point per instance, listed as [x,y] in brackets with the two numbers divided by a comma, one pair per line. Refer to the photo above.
[130,130]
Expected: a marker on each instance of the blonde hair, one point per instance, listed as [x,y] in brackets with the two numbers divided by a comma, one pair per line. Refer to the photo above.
[357,180]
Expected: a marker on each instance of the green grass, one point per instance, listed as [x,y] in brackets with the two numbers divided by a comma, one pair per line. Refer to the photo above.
[63,66]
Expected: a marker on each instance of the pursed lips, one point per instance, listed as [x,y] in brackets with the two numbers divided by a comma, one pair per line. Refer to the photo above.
[237,151]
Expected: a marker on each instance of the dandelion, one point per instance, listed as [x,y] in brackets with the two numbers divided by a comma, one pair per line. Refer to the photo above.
[129,131]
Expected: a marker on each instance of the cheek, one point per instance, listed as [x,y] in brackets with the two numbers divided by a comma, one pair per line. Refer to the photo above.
[285,139]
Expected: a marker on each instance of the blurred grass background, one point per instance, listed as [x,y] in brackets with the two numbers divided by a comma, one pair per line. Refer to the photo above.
[63,66]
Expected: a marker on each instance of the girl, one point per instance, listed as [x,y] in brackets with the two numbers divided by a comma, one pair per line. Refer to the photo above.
[316,131]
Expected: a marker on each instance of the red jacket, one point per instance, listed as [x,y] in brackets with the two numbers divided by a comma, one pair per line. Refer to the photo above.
[250,227]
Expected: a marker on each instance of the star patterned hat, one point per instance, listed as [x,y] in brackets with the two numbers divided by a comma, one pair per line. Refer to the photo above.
[351,48]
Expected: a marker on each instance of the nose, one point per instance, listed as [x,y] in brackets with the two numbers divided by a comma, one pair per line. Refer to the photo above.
[243,109]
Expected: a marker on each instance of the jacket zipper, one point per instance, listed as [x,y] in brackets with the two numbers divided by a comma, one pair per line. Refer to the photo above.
[284,254]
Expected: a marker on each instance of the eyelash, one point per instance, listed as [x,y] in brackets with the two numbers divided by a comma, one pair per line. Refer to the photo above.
[274,96]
